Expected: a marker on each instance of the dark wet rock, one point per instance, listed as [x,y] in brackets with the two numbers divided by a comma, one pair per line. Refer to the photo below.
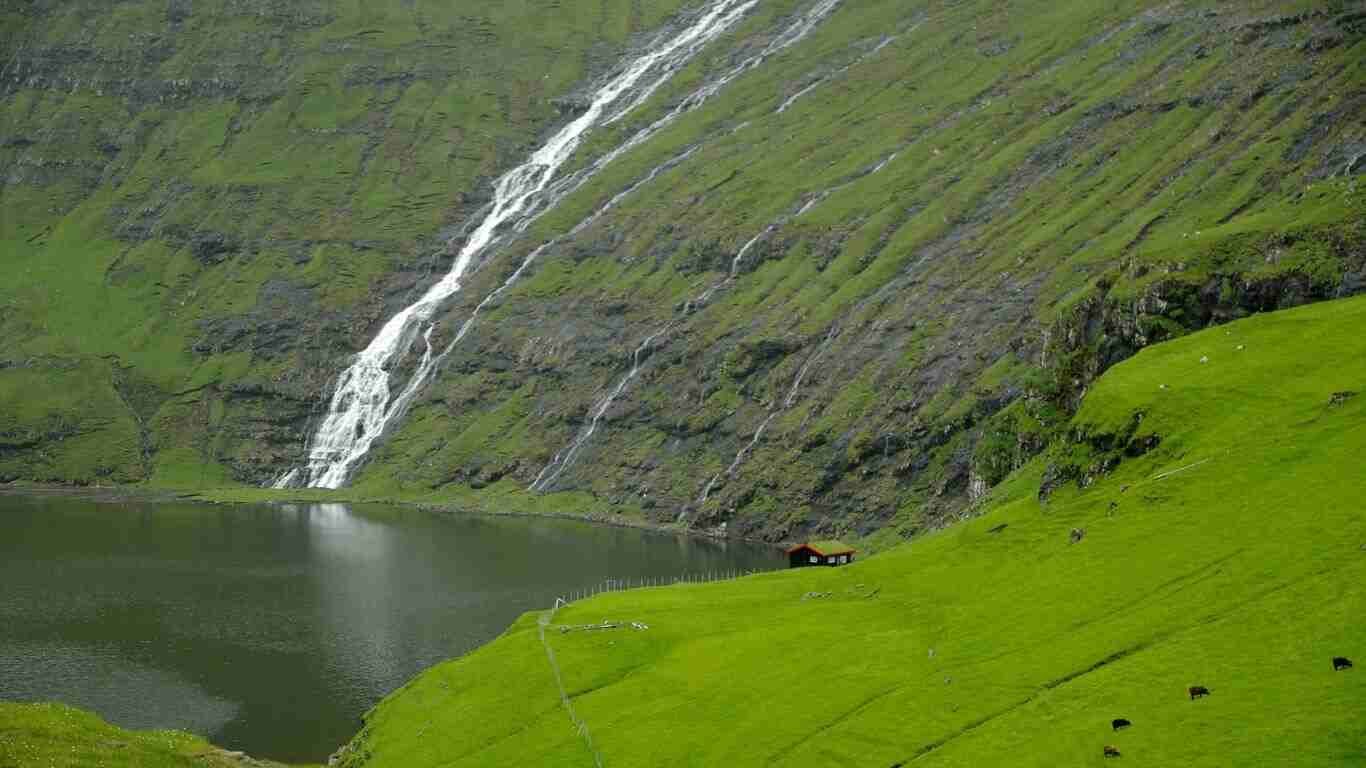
[212,247]
[1054,477]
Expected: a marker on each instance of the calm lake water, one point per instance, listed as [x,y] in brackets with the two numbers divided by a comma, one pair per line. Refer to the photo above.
[271,629]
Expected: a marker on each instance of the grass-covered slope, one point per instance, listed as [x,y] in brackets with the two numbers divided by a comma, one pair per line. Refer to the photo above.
[205,205]
[964,211]
[1224,545]
[56,736]
[1057,185]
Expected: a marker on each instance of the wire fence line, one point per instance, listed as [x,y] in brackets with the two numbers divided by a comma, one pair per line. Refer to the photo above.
[580,726]
[613,585]
[645,582]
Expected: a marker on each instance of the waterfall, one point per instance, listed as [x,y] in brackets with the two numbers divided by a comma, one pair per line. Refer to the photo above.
[773,413]
[361,406]
[790,100]
[739,458]
[793,98]
[801,374]
[795,31]
[531,259]
[552,471]
[883,163]
[563,459]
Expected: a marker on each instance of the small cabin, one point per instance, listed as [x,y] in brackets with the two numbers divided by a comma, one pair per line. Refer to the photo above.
[812,553]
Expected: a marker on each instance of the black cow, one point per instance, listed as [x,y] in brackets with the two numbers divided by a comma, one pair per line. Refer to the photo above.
[1196,691]
[1340,663]
[1120,723]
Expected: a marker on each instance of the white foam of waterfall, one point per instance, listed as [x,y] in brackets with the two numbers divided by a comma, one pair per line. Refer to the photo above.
[286,480]
[536,253]
[739,458]
[361,406]
[812,203]
[801,374]
[795,31]
[883,163]
[793,98]
[547,476]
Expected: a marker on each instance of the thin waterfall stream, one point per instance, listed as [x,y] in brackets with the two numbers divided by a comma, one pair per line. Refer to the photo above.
[772,414]
[362,406]
[563,459]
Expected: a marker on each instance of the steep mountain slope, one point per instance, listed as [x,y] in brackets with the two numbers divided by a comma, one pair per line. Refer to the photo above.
[1223,545]
[868,278]
[207,205]
[963,213]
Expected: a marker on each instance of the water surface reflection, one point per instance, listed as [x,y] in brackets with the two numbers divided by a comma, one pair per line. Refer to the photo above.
[273,628]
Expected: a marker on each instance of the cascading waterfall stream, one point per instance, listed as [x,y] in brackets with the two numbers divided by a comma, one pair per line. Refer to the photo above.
[529,260]
[361,406]
[794,32]
[562,460]
[772,414]
[790,100]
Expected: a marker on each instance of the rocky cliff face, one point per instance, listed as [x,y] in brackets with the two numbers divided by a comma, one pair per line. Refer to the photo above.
[868,279]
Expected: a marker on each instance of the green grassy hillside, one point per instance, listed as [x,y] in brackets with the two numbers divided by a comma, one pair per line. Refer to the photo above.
[1064,183]
[56,736]
[204,206]
[1224,545]
[964,212]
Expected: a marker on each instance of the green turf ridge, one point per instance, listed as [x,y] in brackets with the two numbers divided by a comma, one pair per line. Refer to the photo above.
[1232,555]
[57,736]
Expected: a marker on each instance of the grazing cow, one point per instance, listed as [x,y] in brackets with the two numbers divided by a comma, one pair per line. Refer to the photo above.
[1120,723]
[1111,751]
[1340,663]
[1077,534]
[1196,691]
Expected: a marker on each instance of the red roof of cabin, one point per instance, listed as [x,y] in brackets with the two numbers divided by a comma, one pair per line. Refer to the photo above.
[825,548]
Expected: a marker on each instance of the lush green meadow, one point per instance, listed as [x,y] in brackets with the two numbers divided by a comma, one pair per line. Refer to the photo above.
[1229,553]
[55,736]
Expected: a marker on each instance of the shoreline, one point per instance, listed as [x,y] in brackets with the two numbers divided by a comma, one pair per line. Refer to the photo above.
[116,493]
